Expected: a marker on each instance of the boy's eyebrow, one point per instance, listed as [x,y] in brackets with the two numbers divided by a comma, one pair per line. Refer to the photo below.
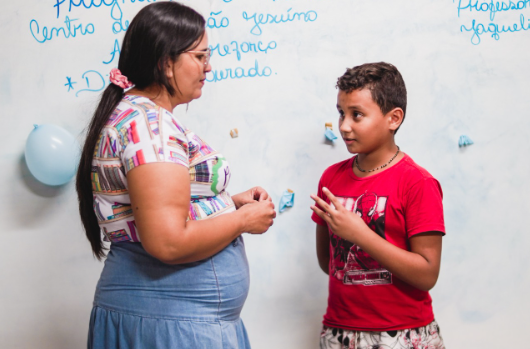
[354,106]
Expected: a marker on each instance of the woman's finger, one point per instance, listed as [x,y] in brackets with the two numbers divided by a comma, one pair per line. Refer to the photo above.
[259,194]
[263,195]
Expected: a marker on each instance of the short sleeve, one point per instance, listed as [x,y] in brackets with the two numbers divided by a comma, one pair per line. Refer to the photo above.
[152,135]
[424,209]
[321,195]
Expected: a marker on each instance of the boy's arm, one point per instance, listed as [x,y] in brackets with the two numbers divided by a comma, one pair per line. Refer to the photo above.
[419,267]
[323,247]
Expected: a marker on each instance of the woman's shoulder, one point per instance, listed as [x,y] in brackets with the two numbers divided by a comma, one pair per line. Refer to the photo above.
[124,113]
[139,110]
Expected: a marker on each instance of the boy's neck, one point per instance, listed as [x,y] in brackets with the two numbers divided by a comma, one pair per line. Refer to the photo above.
[377,161]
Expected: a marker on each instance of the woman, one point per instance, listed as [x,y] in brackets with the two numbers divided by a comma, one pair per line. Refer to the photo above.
[144,177]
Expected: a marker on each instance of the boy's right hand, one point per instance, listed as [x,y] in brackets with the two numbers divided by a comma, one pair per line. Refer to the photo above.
[258,216]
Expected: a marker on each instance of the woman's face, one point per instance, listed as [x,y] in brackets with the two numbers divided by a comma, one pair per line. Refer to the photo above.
[189,72]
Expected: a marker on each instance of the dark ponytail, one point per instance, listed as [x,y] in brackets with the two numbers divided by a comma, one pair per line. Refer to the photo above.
[109,100]
[159,32]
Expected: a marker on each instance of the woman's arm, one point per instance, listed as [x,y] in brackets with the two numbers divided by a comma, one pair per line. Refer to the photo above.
[323,247]
[418,267]
[160,198]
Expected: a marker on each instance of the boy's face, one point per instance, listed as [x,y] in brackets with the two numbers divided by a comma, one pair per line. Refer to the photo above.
[363,126]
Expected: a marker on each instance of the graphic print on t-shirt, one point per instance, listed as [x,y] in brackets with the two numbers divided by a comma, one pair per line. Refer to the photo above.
[350,263]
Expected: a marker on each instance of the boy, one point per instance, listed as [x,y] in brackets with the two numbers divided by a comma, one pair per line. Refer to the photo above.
[379,224]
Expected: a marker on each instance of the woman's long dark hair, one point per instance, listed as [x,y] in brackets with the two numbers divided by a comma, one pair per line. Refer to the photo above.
[159,32]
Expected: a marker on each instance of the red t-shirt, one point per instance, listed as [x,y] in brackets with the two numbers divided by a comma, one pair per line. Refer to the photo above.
[397,203]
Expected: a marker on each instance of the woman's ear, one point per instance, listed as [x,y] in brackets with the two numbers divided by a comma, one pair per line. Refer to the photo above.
[395,118]
[169,65]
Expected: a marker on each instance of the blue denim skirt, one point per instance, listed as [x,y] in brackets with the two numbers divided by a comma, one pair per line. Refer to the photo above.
[142,303]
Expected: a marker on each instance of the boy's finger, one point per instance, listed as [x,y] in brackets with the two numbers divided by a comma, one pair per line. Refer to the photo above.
[333,200]
[321,214]
[324,205]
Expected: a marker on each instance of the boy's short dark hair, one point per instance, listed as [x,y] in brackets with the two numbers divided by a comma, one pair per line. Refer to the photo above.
[382,79]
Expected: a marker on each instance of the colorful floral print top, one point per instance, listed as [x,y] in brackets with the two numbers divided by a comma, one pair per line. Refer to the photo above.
[140,132]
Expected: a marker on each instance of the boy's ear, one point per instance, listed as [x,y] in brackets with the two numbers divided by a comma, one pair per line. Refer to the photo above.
[395,118]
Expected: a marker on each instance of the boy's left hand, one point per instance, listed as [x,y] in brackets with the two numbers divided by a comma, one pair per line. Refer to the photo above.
[342,222]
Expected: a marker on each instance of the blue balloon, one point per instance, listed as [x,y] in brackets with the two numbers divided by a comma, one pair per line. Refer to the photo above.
[52,154]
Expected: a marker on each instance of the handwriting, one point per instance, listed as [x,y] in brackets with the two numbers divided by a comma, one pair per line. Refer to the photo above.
[478,29]
[115,51]
[98,82]
[212,21]
[67,31]
[117,15]
[70,83]
[239,73]
[259,19]
[492,7]
[90,3]
[242,47]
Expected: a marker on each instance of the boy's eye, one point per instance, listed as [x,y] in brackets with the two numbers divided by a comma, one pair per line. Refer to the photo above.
[356,114]
[341,113]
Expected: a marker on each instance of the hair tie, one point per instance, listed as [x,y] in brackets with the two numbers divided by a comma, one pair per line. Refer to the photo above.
[118,79]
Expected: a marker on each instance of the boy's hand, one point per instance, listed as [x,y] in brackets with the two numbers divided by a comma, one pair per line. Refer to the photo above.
[342,222]
[418,267]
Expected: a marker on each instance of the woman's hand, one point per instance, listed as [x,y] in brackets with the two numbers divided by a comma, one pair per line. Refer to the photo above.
[258,216]
[162,217]
[252,195]
[342,222]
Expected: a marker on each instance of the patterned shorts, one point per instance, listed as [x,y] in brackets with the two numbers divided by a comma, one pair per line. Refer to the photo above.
[427,337]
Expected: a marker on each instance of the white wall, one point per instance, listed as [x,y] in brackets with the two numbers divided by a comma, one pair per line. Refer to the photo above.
[456,86]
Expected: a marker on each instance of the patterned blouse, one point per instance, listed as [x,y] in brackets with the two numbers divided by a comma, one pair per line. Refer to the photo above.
[140,132]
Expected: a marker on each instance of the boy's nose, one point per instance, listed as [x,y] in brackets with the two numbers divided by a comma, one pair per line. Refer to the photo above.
[345,127]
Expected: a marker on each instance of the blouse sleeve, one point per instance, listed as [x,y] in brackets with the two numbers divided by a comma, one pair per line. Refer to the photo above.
[153,135]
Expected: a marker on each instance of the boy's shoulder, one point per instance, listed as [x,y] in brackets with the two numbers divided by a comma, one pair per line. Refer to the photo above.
[406,165]
[340,166]
[406,173]
[414,171]
[413,175]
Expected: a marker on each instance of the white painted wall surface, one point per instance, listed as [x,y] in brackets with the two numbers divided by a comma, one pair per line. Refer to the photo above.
[456,84]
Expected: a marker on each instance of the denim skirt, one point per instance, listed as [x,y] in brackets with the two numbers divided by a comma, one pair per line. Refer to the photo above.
[142,303]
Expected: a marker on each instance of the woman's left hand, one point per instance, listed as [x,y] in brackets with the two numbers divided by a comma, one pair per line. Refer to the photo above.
[252,195]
